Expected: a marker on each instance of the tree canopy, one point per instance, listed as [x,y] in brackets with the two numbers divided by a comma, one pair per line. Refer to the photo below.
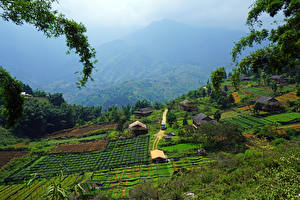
[52,24]
[217,77]
[282,54]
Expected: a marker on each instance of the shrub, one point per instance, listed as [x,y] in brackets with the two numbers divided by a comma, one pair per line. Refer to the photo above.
[278,141]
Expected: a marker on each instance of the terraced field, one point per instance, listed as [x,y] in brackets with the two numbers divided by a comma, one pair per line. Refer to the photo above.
[248,122]
[37,189]
[82,131]
[98,145]
[285,118]
[118,153]
[120,180]
[6,156]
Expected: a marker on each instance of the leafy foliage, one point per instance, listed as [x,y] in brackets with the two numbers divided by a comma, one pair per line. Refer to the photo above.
[10,93]
[217,77]
[284,50]
[41,15]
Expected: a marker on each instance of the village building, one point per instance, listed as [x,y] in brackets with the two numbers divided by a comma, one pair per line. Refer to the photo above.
[171,134]
[202,118]
[269,103]
[244,78]
[188,106]
[24,94]
[279,79]
[158,156]
[168,138]
[138,128]
[144,112]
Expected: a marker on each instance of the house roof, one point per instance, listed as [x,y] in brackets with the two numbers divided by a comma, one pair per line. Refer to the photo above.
[278,77]
[244,77]
[267,100]
[187,103]
[202,118]
[137,123]
[158,154]
[171,134]
[143,111]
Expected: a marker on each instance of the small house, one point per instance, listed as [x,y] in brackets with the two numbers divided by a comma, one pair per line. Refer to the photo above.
[138,128]
[269,103]
[171,134]
[188,106]
[158,156]
[24,94]
[279,79]
[144,112]
[168,138]
[244,78]
[200,119]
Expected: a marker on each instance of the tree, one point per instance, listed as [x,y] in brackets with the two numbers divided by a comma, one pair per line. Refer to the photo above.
[217,77]
[141,104]
[27,89]
[274,87]
[217,115]
[257,107]
[52,24]
[235,79]
[184,121]
[171,117]
[283,52]
[56,99]
[231,99]
[10,95]
[219,136]
[225,88]
[298,90]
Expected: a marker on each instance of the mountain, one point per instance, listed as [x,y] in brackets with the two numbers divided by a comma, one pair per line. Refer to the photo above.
[158,62]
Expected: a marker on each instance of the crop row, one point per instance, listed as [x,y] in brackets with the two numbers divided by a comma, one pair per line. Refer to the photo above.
[36,190]
[136,151]
[248,122]
[120,180]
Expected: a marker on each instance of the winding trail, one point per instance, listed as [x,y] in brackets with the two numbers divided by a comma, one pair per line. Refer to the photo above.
[158,136]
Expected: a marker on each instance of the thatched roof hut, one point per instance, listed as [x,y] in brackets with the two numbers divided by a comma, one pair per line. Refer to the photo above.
[158,156]
[269,103]
[144,112]
[188,106]
[202,118]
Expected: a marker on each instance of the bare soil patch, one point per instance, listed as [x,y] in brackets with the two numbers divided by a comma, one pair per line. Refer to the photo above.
[81,131]
[81,147]
[6,156]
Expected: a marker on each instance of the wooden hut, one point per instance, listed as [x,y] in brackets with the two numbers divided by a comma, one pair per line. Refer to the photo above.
[158,156]
[188,106]
[244,78]
[279,79]
[202,118]
[269,103]
[138,128]
[144,112]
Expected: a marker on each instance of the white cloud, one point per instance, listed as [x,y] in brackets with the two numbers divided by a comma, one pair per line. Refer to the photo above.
[131,13]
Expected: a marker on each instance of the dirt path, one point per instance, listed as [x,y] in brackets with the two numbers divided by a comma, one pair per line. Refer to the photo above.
[158,136]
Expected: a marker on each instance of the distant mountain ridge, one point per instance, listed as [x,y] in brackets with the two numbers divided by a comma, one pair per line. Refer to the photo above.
[158,62]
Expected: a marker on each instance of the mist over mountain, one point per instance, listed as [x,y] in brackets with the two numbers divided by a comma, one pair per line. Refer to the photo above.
[158,62]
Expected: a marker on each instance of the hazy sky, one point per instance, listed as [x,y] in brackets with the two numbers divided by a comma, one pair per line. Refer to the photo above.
[137,13]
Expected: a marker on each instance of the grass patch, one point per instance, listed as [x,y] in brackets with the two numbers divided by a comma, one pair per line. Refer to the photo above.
[284,117]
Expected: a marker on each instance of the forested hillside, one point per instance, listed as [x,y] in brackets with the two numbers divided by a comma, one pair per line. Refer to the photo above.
[163,52]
